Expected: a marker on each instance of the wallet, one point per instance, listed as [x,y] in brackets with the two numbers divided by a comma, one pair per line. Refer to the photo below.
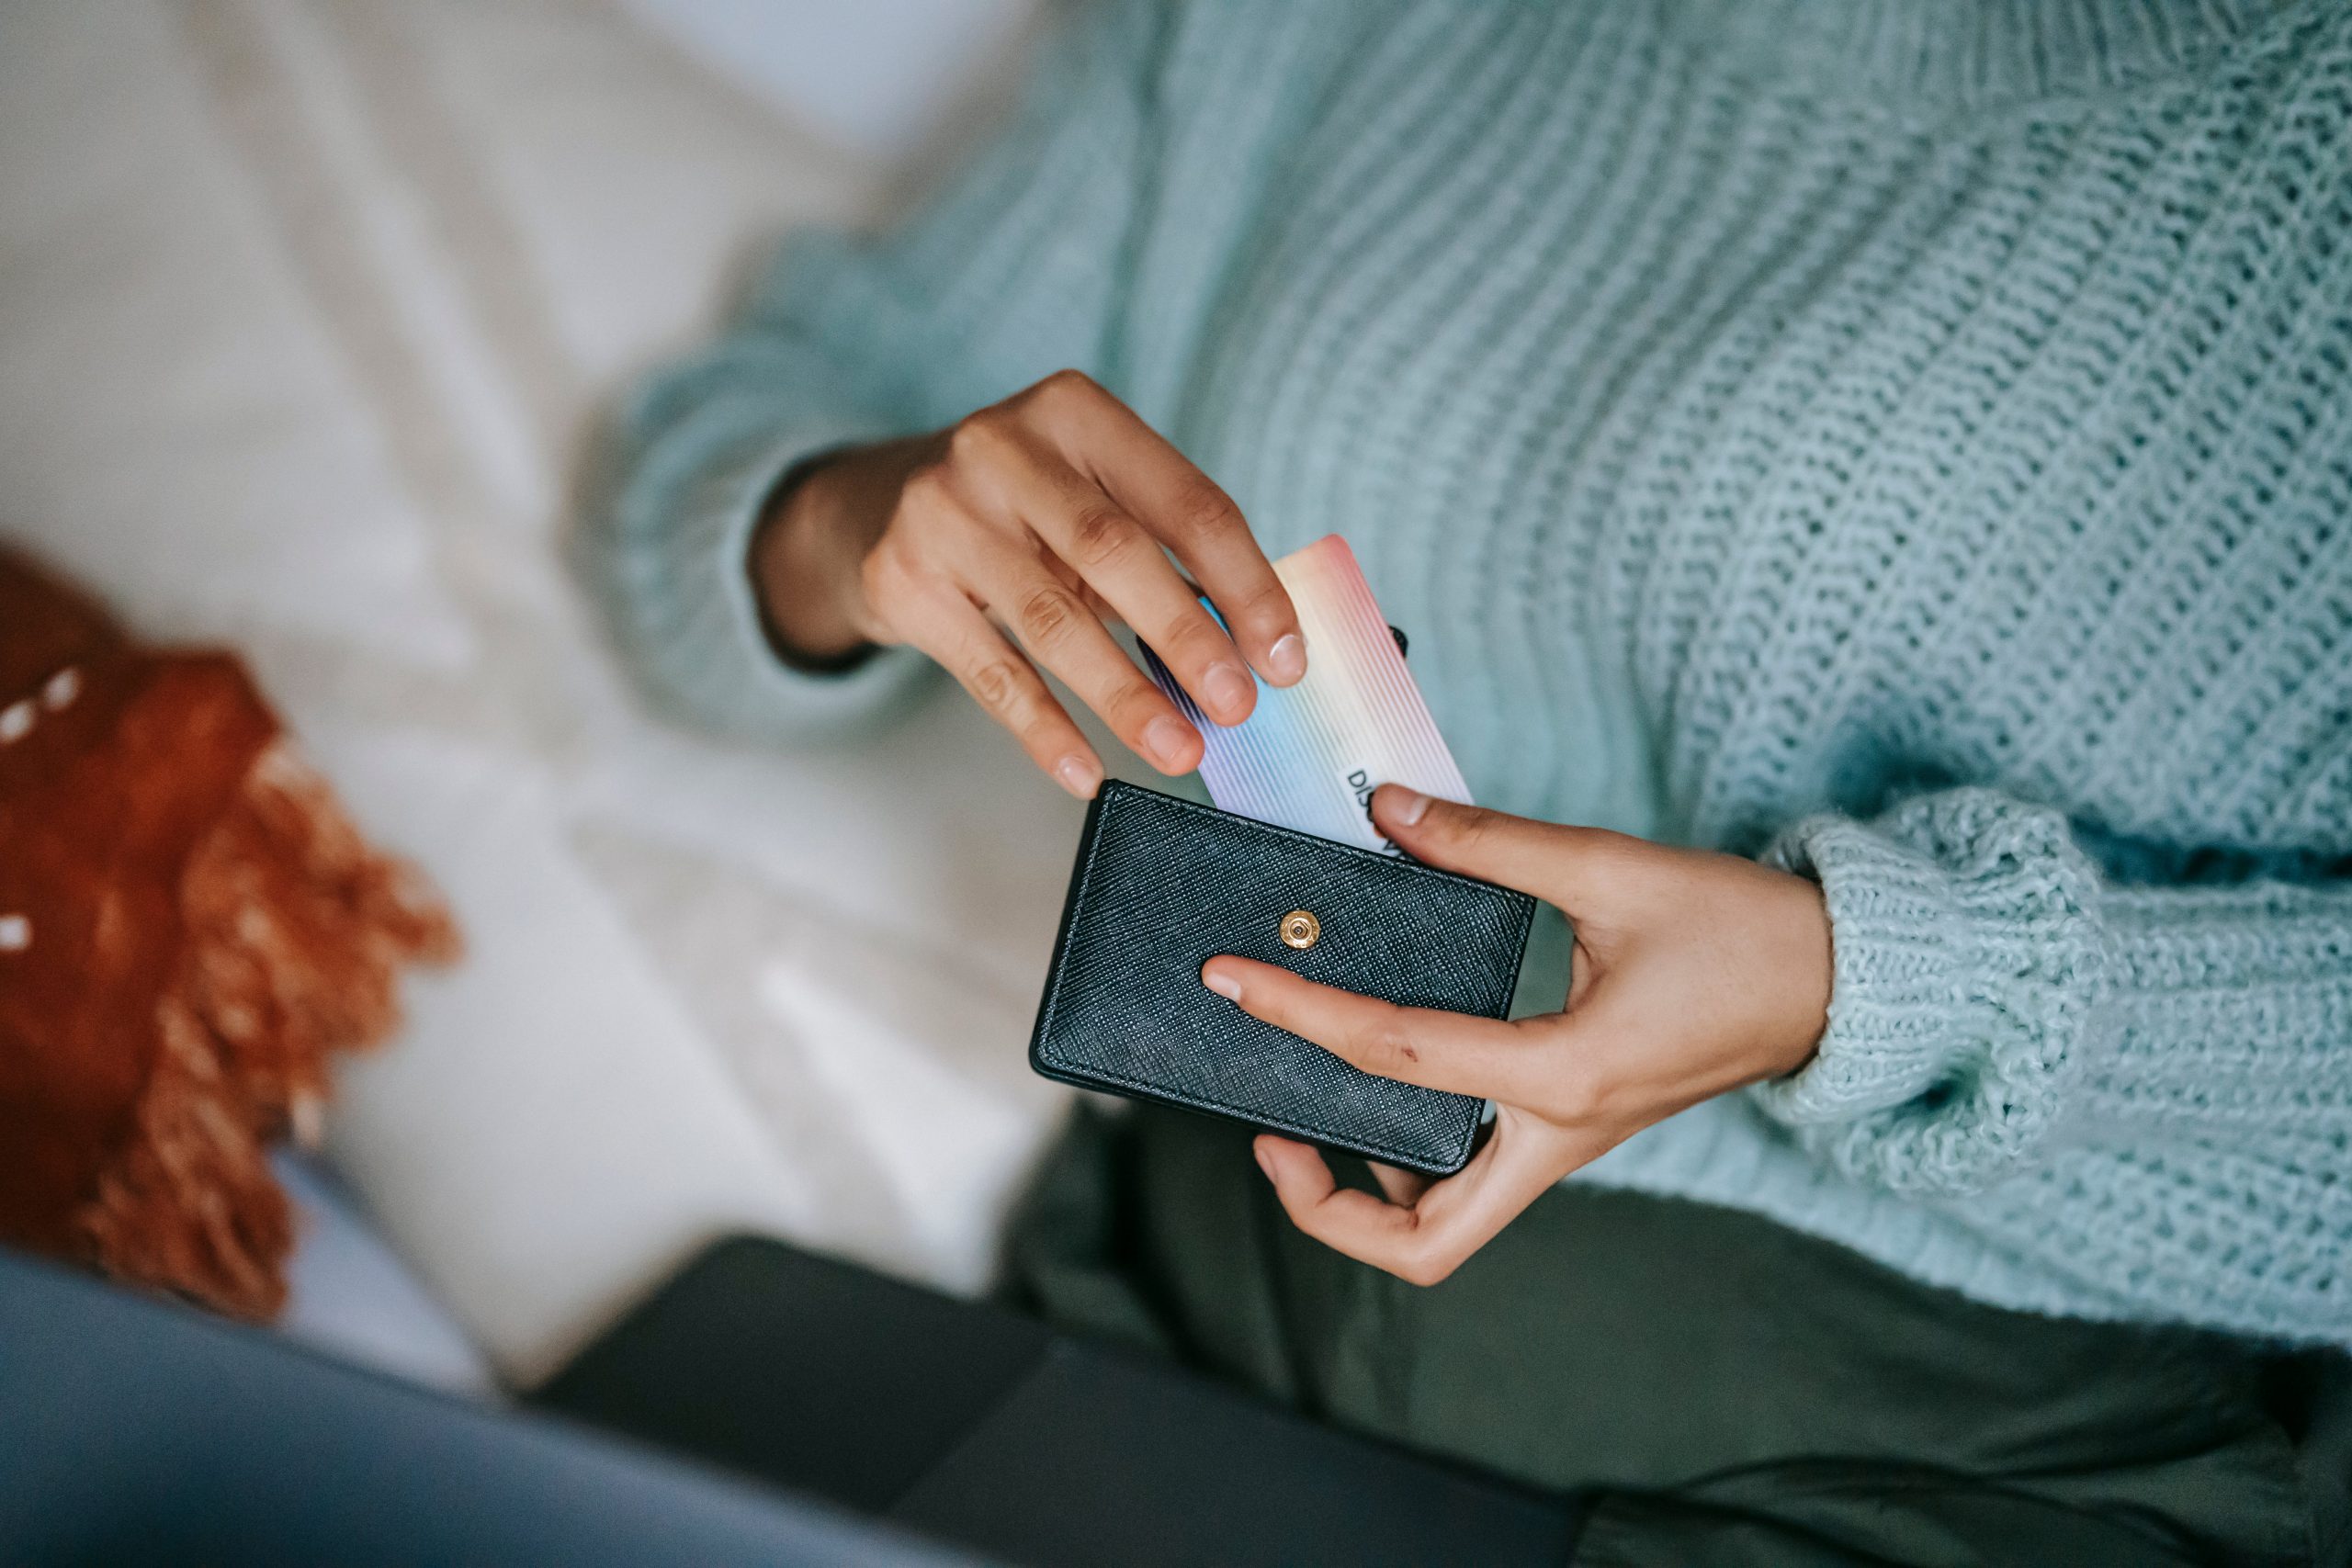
[1162,885]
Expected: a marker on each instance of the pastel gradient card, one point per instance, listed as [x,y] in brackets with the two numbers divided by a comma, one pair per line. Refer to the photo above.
[1309,756]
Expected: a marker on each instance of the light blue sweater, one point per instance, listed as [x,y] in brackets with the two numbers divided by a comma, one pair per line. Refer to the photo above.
[1909,441]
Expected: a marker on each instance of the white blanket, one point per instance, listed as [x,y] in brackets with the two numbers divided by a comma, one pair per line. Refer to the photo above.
[305,309]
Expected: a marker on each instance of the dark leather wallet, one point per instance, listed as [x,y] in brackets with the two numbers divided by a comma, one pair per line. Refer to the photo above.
[1162,886]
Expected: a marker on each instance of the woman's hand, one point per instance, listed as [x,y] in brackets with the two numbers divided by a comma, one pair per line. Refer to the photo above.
[1694,973]
[1041,517]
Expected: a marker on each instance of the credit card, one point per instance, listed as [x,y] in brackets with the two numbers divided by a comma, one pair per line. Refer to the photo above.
[1309,756]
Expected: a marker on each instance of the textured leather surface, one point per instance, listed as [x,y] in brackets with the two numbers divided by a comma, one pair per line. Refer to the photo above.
[1162,886]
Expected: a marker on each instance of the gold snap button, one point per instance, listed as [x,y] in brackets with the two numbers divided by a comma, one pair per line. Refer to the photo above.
[1300,929]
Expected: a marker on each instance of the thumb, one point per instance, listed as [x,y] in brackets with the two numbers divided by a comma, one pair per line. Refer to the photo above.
[1552,861]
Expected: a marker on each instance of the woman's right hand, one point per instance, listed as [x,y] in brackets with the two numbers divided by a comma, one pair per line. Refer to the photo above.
[1013,536]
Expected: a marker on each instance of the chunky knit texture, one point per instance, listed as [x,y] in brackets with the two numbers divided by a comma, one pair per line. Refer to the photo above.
[1910,441]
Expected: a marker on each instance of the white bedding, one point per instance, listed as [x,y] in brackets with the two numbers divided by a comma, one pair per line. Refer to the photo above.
[304,312]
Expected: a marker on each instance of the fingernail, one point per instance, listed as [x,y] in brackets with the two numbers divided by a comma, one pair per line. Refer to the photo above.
[1410,807]
[1166,739]
[1223,984]
[1229,689]
[1079,776]
[1264,1165]
[1286,660]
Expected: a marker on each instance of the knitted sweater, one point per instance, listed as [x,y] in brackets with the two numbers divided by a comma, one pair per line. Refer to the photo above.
[1908,441]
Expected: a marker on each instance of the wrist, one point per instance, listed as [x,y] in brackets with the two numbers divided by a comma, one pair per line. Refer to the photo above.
[807,556]
[1809,975]
[797,577]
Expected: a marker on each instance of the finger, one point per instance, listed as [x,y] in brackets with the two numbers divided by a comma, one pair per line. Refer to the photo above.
[951,630]
[1024,479]
[1448,1051]
[1183,509]
[1421,1243]
[1313,1198]
[1567,865]
[1083,589]
[1063,634]
[1400,1185]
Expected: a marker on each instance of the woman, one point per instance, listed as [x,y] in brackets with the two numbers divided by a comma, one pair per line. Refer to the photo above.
[1896,452]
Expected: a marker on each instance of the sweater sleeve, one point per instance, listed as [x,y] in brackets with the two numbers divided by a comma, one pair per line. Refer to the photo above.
[1994,998]
[1008,275]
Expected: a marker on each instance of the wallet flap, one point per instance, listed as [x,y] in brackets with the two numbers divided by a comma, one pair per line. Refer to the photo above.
[1162,885]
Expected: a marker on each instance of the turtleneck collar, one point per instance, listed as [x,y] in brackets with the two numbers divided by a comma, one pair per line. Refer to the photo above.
[1956,54]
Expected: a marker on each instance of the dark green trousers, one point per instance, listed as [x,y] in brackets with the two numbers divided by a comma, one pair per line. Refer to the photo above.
[1729,1391]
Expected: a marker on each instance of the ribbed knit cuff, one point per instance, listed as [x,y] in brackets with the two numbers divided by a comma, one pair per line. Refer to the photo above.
[675,568]
[1968,968]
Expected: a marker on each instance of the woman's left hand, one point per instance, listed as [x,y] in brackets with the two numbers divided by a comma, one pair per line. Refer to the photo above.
[1693,973]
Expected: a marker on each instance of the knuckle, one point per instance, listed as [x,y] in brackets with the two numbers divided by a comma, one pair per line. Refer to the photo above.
[1424,1263]
[1473,834]
[1266,602]
[1466,827]
[1101,533]
[889,573]
[1200,511]
[880,585]
[1382,1043]
[997,686]
[1190,642]
[883,572]
[1044,735]
[1048,616]
[978,440]
[928,493]
[1044,732]
[1131,704]
[1065,388]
